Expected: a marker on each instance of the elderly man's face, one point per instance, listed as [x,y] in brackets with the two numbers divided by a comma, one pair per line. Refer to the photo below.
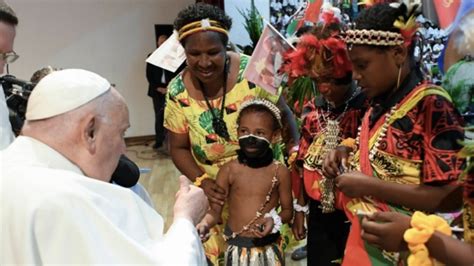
[110,141]
[7,36]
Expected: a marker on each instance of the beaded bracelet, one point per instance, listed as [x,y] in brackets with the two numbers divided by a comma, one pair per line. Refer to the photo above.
[299,208]
[422,228]
[276,220]
[201,178]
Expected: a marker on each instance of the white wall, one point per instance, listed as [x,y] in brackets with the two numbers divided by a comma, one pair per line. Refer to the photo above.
[110,37]
[238,34]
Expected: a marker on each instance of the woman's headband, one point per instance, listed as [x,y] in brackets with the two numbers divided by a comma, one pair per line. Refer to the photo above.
[201,25]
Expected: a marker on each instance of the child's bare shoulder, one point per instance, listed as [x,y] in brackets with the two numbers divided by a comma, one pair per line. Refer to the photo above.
[229,168]
[231,165]
[283,171]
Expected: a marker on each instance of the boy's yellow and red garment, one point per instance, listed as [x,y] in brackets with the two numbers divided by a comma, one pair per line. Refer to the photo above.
[420,147]
[313,135]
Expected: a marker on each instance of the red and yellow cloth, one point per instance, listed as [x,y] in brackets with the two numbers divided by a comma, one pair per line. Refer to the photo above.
[416,149]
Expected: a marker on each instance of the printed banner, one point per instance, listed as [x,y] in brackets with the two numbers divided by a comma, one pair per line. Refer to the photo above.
[170,55]
[267,59]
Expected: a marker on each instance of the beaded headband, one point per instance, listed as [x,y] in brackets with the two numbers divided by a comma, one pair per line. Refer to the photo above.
[374,37]
[201,25]
[262,102]
[406,23]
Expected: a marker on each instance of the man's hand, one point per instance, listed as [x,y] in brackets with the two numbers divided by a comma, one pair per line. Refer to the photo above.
[385,230]
[191,202]
[162,90]
[214,193]
[299,231]
[334,160]
[354,184]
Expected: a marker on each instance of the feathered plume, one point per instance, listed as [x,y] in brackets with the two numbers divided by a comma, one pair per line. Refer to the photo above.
[406,22]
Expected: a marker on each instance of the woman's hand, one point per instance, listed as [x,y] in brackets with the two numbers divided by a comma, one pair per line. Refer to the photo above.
[214,193]
[299,231]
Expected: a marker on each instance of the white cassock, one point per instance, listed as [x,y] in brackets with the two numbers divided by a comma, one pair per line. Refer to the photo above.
[6,133]
[52,214]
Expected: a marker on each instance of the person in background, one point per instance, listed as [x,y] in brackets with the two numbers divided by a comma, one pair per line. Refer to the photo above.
[8,23]
[58,206]
[158,79]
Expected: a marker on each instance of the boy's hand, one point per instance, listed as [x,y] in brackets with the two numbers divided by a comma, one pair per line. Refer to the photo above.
[354,184]
[203,231]
[214,193]
[385,230]
[334,160]
[263,227]
[299,231]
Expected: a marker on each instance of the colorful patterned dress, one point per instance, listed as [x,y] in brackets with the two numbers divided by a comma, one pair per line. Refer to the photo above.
[420,146]
[185,115]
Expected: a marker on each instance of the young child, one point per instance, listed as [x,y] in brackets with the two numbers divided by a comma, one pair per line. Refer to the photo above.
[255,186]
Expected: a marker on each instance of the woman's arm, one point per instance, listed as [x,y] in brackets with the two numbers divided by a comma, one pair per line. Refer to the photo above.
[184,161]
[180,150]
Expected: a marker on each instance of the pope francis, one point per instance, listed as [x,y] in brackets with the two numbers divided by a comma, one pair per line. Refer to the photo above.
[57,205]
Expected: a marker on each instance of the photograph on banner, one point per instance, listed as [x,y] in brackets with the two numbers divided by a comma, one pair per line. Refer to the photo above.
[170,55]
[267,59]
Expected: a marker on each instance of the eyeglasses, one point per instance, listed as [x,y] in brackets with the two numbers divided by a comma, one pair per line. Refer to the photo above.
[9,57]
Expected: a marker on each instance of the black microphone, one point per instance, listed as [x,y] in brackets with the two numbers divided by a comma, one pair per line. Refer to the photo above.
[25,87]
[127,173]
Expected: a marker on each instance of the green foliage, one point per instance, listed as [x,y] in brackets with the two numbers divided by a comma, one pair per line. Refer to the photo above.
[468,151]
[300,91]
[253,25]
[458,81]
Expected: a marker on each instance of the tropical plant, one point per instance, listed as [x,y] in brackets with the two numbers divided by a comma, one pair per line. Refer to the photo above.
[300,91]
[253,25]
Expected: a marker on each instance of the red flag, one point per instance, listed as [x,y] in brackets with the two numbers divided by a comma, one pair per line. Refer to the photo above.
[446,10]
[267,59]
[312,10]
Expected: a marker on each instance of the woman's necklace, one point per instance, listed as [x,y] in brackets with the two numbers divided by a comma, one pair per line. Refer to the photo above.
[218,123]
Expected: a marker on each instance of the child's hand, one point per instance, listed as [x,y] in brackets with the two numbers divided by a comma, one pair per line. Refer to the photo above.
[385,230]
[263,227]
[354,184]
[203,231]
[299,231]
[334,159]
